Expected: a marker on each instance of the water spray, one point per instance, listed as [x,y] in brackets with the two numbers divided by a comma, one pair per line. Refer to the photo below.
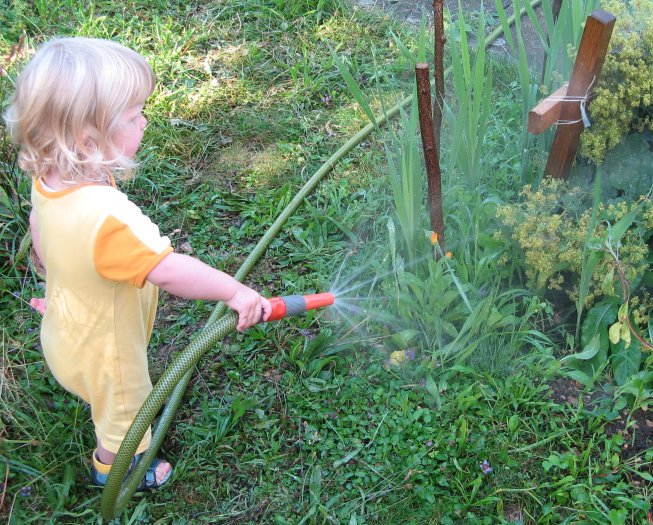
[121,484]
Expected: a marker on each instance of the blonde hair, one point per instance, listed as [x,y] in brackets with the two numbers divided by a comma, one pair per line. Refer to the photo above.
[67,105]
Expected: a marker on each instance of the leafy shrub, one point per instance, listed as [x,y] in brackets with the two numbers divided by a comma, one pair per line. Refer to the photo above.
[599,256]
[624,95]
[550,225]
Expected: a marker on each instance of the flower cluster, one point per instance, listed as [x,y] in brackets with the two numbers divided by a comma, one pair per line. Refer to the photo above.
[624,95]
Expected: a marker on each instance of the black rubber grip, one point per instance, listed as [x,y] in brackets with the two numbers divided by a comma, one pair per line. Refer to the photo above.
[295,304]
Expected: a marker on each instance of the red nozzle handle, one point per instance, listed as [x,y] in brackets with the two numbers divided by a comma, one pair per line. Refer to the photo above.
[298,304]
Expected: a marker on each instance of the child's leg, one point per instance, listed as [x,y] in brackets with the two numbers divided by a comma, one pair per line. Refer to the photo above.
[103,454]
[106,457]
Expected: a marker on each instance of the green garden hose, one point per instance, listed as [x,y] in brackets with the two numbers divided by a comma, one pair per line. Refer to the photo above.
[116,494]
[172,384]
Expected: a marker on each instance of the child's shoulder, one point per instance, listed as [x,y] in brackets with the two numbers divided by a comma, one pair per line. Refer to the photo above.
[103,190]
[107,195]
[110,200]
[101,199]
[85,193]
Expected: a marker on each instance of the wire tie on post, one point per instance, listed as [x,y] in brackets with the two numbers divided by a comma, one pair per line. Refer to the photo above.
[583,114]
[584,118]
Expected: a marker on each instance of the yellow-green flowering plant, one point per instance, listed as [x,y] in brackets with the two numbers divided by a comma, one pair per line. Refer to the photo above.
[623,100]
[549,224]
[599,258]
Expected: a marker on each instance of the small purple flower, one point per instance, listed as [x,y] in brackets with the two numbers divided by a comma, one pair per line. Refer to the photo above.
[26,491]
[485,467]
[409,354]
[429,443]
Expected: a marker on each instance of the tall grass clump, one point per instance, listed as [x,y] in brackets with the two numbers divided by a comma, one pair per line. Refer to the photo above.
[449,308]
[14,189]
[473,100]
[407,184]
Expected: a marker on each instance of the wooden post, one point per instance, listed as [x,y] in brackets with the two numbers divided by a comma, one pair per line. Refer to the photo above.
[431,155]
[587,68]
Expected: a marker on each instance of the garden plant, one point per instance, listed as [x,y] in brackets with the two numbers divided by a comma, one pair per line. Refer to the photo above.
[506,380]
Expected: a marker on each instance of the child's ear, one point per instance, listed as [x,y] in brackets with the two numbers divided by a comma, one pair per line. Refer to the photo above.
[88,138]
[85,136]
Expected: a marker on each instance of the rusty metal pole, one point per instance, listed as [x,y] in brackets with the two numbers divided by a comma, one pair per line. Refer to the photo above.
[431,153]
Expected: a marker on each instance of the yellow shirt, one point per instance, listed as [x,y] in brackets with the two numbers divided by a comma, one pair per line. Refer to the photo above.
[98,248]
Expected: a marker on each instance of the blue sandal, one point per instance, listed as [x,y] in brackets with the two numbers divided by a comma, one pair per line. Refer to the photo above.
[100,473]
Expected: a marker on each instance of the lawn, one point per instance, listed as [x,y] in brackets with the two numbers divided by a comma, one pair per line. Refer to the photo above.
[485,387]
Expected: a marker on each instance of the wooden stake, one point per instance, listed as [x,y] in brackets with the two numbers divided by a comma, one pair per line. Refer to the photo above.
[431,155]
[587,68]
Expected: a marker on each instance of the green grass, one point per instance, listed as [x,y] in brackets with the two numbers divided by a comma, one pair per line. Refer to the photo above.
[305,421]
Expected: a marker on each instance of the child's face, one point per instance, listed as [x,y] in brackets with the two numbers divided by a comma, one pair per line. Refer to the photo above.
[130,130]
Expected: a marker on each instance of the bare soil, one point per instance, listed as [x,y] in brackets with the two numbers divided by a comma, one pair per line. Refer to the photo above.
[637,430]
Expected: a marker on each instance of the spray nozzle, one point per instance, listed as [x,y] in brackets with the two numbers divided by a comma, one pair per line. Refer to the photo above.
[298,304]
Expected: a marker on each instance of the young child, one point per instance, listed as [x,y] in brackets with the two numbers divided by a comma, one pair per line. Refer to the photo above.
[77,116]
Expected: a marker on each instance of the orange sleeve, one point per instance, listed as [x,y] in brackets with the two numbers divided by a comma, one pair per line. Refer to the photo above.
[126,254]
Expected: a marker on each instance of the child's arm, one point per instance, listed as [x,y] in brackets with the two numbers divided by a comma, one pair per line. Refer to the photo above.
[190,278]
[36,238]
[38,303]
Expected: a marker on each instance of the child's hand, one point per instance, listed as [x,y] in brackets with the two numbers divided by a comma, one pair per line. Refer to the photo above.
[38,303]
[251,307]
